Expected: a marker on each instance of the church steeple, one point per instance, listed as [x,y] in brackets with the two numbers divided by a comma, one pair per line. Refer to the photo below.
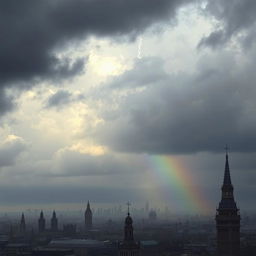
[129,247]
[128,228]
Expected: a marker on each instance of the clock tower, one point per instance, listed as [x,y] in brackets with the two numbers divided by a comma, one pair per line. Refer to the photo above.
[228,218]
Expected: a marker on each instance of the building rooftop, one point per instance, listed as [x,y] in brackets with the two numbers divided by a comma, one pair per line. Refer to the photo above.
[88,243]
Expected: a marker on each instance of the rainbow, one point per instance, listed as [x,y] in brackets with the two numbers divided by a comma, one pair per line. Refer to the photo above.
[173,172]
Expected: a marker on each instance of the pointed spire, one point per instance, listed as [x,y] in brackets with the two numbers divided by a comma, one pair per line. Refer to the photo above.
[54,222]
[88,217]
[128,228]
[22,223]
[227,178]
[41,222]
[128,208]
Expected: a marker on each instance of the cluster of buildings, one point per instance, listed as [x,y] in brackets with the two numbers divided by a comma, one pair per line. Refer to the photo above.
[53,242]
[54,223]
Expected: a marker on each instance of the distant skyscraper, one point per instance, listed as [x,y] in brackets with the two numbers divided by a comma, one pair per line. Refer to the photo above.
[22,224]
[228,219]
[88,217]
[129,247]
[41,222]
[54,222]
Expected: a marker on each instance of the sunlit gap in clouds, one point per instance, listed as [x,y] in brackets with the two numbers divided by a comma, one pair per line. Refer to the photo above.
[106,65]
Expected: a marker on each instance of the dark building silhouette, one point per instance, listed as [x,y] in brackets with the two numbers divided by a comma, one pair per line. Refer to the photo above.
[54,222]
[22,224]
[88,217]
[228,219]
[128,247]
[41,222]
[69,229]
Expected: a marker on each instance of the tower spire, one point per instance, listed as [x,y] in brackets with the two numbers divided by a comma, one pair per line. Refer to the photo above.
[128,229]
[227,218]
[227,177]
[54,222]
[41,222]
[128,208]
[128,247]
[88,217]
[22,223]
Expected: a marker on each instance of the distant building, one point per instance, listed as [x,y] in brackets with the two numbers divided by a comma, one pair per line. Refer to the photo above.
[13,249]
[52,252]
[129,247]
[152,215]
[149,248]
[54,222]
[41,222]
[22,224]
[69,229]
[228,219]
[88,217]
[83,247]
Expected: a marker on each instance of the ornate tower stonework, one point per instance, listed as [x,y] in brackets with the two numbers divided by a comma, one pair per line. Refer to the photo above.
[228,219]
[129,247]
[88,217]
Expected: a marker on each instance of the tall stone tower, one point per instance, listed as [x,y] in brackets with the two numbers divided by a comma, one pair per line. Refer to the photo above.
[128,247]
[228,219]
[54,222]
[88,217]
[41,222]
[22,224]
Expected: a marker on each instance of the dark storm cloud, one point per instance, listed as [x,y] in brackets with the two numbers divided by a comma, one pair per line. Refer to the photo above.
[10,150]
[185,113]
[237,18]
[6,102]
[32,31]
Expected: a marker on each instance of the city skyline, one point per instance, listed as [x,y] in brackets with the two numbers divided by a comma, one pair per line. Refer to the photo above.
[126,100]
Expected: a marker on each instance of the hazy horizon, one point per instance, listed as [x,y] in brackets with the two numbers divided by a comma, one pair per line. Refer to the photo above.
[111,101]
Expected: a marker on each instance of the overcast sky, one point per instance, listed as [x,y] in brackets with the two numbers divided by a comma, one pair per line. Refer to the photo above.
[91,91]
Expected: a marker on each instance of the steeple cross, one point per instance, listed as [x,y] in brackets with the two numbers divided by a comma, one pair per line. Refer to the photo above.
[128,205]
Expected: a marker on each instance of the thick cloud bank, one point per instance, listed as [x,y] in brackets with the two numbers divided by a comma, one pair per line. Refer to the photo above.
[32,32]
[10,149]
[183,113]
[236,19]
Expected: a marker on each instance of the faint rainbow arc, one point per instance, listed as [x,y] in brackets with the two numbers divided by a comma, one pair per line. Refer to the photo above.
[176,175]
